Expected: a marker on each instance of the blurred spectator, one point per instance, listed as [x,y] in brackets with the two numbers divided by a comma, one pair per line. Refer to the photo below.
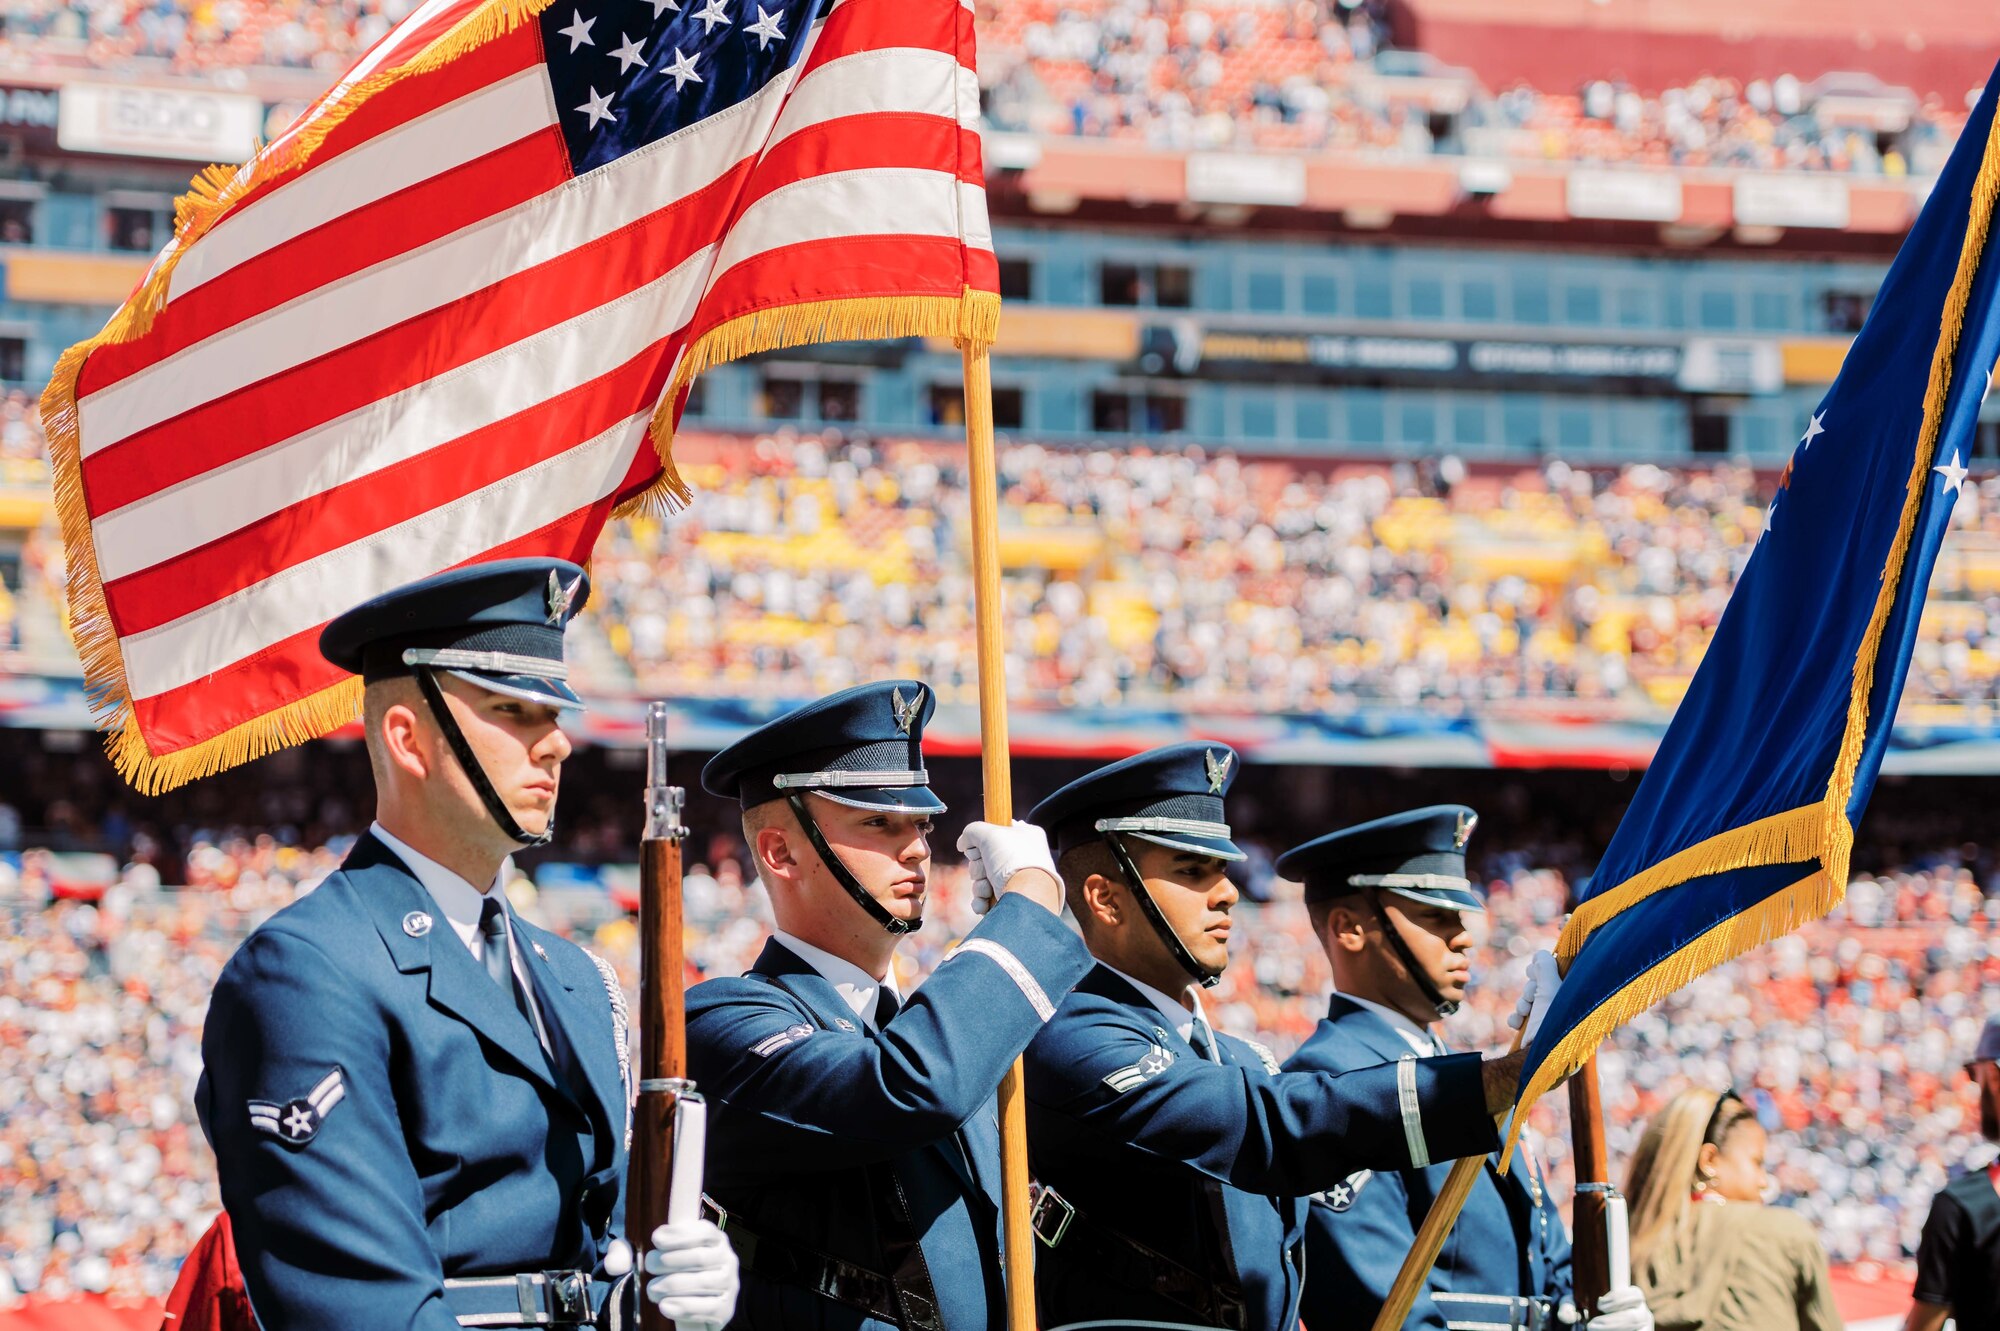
[1707,1251]
[1958,1261]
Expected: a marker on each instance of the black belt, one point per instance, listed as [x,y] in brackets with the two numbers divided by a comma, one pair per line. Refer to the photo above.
[835,1279]
[1493,1312]
[536,1298]
[1121,1260]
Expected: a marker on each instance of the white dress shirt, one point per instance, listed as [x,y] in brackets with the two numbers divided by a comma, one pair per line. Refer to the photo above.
[1182,1015]
[856,987]
[1419,1038]
[461,903]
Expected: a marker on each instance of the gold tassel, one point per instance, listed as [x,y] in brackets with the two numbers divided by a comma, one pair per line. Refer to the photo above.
[972,316]
[1777,915]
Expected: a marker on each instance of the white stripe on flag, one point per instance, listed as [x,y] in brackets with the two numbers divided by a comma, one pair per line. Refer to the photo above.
[544,228]
[478,123]
[307,595]
[172,522]
[894,200]
[898,79]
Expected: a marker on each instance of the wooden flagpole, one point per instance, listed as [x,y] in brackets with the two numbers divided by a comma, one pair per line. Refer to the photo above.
[1590,1266]
[1019,1253]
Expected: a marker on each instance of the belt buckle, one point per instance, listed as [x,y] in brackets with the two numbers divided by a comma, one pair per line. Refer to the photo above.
[1049,1216]
[712,1210]
[569,1296]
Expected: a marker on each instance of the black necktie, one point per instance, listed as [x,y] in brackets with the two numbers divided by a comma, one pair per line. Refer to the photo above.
[887,1005]
[500,958]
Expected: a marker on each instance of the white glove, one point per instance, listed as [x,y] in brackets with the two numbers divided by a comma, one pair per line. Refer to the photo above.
[1622,1309]
[1544,980]
[617,1258]
[994,854]
[693,1275]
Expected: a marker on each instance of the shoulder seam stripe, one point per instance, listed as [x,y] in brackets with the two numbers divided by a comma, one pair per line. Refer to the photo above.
[1030,988]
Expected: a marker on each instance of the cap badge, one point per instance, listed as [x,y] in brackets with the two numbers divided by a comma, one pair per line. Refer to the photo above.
[1218,772]
[561,597]
[1463,833]
[906,712]
[416,924]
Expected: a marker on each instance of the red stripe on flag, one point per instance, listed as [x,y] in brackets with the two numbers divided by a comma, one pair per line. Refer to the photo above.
[854,143]
[874,25]
[845,267]
[321,523]
[293,669]
[413,98]
[445,203]
[287,404]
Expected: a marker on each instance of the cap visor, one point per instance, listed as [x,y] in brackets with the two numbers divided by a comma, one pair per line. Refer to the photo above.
[528,688]
[1219,848]
[889,799]
[1446,898]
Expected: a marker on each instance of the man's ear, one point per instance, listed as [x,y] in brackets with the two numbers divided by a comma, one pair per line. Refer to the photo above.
[1103,900]
[772,849]
[1347,930]
[403,740]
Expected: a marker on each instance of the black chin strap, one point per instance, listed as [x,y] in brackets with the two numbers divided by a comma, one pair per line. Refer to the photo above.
[1445,1007]
[843,875]
[1201,974]
[469,761]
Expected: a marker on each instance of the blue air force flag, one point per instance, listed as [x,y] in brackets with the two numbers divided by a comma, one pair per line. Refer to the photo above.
[1741,829]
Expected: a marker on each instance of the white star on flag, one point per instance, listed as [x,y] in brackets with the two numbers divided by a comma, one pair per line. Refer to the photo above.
[1813,429]
[681,71]
[629,54]
[662,6]
[578,30]
[597,108]
[766,28]
[710,15]
[1954,474]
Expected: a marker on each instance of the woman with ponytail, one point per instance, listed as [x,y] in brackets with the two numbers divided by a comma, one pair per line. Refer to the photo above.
[1707,1251]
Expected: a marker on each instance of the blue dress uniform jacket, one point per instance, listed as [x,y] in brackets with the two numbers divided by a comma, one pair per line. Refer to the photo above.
[1510,1241]
[1207,1165]
[808,1108]
[383,1116]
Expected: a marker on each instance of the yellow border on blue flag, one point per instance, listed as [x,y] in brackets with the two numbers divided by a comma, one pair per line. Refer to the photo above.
[1812,832]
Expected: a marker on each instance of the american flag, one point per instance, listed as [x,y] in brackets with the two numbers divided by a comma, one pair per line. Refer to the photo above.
[433,321]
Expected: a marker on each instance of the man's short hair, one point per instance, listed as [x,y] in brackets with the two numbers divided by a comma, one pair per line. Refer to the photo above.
[1320,910]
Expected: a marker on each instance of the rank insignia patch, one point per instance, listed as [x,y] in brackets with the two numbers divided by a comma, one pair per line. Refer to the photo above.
[297,1122]
[1343,1194]
[1157,1060]
[771,1044]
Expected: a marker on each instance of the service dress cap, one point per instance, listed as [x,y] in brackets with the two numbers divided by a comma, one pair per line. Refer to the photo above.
[1419,855]
[498,625]
[1171,796]
[862,747]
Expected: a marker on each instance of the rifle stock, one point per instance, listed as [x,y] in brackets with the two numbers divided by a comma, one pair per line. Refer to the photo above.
[662,1068]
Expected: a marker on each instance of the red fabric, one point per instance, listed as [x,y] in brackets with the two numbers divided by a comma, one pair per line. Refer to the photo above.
[91,1312]
[210,1295]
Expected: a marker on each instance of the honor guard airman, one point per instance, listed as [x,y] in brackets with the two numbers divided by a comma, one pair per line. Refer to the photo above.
[854,1151]
[419,1101]
[1389,902]
[1174,1160]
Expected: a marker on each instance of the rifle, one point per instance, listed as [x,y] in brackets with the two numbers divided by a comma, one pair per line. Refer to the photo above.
[666,1096]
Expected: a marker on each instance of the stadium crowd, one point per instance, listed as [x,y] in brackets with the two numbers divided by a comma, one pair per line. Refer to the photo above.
[1170,73]
[1846,1037]
[1182,75]
[810,563]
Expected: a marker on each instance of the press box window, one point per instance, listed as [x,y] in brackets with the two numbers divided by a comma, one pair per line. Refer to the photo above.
[135,230]
[946,408]
[1115,411]
[1017,279]
[17,222]
[784,398]
[1166,286]
[13,358]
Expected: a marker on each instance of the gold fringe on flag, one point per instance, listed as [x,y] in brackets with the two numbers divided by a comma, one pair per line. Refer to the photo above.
[1812,832]
[971,316]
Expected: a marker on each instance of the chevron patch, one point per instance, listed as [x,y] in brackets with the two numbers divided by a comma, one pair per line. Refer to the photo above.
[1157,1060]
[771,1044]
[297,1122]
